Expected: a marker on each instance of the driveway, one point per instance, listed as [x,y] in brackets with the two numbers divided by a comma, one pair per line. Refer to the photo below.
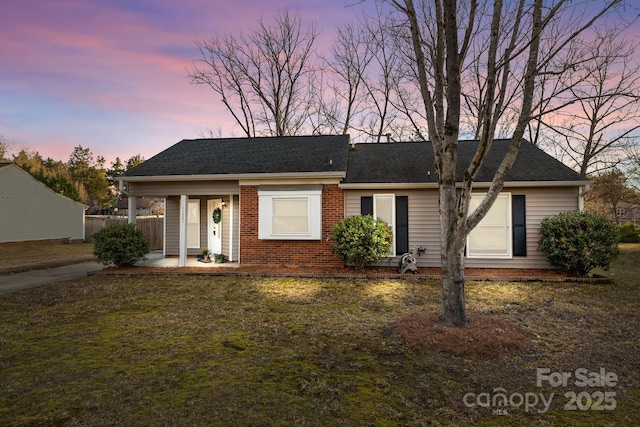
[32,278]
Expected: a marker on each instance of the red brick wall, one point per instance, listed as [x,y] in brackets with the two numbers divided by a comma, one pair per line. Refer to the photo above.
[254,251]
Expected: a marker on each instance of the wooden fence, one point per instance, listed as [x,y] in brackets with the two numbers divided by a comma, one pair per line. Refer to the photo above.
[151,226]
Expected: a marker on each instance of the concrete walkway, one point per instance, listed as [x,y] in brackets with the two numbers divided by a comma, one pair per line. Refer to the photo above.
[32,278]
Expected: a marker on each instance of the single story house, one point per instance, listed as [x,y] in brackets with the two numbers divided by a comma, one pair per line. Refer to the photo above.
[277,198]
[30,211]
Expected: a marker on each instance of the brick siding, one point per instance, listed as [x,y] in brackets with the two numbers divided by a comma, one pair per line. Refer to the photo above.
[254,251]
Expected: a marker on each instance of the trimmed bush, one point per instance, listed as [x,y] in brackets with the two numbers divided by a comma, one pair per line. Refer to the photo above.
[629,233]
[361,240]
[120,244]
[578,242]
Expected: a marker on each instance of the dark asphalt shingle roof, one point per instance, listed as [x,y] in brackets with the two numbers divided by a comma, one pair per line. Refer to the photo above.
[248,156]
[410,162]
[400,162]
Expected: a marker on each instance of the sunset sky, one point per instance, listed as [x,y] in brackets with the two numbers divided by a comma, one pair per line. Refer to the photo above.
[111,75]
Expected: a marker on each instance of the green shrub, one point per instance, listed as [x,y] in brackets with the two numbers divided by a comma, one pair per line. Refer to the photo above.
[120,244]
[629,233]
[361,240]
[577,242]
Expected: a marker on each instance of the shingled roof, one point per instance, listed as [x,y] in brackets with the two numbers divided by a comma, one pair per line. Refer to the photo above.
[413,163]
[384,163]
[242,156]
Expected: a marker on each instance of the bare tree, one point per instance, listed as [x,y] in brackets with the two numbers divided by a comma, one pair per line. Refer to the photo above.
[351,54]
[380,81]
[603,115]
[443,35]
[262,78]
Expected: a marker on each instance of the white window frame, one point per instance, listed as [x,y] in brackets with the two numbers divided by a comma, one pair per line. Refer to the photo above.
[193,221]
[266,201]
[391,196]
[484,227]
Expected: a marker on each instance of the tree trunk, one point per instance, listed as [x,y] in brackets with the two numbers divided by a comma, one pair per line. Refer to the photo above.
[452,246]
[452,281]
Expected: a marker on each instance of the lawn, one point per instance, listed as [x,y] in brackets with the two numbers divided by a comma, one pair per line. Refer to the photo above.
[244,351]
[23,256]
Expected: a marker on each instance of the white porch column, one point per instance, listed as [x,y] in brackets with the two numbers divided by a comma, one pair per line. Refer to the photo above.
[132,208]
[231,229]
[182,258]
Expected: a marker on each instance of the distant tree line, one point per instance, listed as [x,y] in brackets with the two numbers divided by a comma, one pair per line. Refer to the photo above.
[82,178]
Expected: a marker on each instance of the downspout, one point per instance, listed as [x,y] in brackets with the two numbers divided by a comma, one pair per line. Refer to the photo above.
[584,189]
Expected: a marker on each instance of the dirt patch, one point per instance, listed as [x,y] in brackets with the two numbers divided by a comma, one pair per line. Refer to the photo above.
[24,256]
[486,337]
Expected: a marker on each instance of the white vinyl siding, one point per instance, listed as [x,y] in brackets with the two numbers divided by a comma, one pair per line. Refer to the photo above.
[290,215]
[424,223]
[492,237]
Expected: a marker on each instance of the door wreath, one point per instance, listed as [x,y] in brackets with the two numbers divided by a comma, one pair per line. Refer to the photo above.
[217,215]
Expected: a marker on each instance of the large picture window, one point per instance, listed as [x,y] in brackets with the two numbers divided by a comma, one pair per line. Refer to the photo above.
[293,215]
[492,237]
[290,215]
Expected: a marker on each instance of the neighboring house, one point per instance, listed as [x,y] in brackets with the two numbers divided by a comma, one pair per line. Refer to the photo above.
[29,210]
[627,212]
[144,207]
[280,197]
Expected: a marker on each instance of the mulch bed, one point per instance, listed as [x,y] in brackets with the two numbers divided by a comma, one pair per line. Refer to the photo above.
[485,337]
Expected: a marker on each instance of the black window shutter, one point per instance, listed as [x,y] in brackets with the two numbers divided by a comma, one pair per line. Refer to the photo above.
[402,224]
[519,225]
[366,205]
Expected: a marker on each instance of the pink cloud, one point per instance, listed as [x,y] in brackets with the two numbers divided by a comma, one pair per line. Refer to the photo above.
[113,75]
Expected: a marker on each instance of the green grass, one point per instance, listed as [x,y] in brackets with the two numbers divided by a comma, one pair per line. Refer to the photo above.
[191,350]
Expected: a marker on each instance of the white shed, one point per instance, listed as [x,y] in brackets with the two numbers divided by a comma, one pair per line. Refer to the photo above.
[29,210]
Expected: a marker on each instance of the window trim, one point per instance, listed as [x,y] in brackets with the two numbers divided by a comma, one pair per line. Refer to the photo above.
[266,214]
[508,235]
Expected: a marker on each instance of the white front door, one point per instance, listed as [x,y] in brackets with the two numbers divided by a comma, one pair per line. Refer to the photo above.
[214,231]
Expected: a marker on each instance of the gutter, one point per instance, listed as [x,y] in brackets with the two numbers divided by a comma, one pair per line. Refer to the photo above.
[432,185]
[233,177]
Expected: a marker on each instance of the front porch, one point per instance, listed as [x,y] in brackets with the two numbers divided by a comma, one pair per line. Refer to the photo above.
[156,259]
[194,221]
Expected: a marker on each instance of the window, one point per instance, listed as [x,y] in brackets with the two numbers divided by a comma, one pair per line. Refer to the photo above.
[193,223]
[290,214]
[492,237]
[394,210]
[383,208]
